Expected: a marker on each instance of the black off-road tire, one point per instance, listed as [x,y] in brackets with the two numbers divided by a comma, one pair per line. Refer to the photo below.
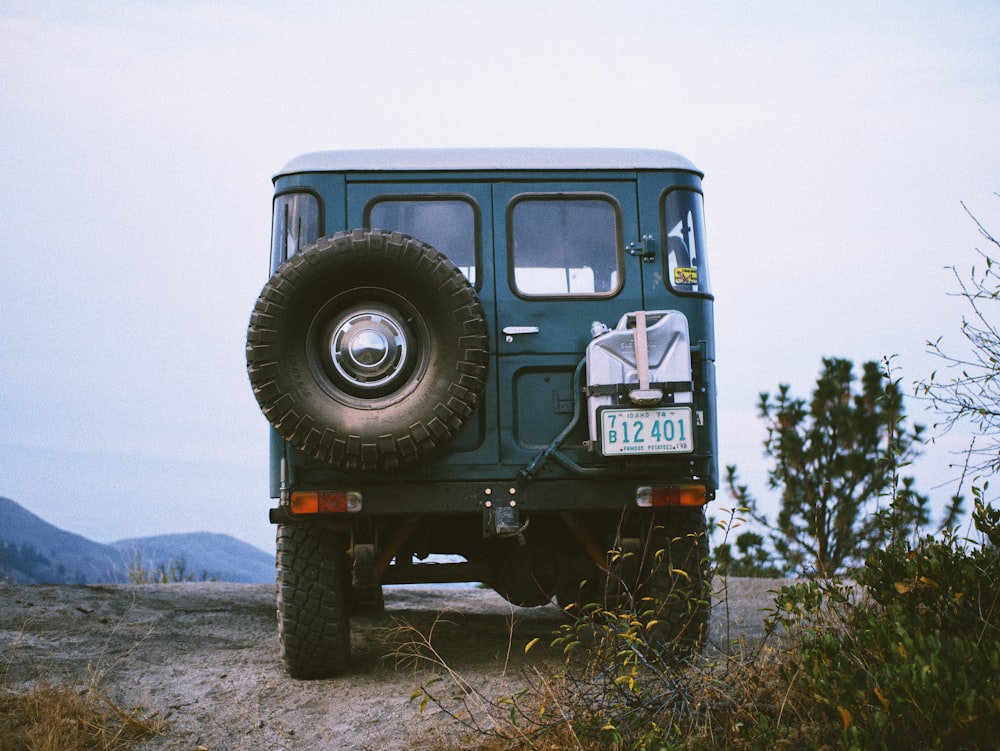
[588,586]
[675,588]
[422,393]
[657,569]
[313,585]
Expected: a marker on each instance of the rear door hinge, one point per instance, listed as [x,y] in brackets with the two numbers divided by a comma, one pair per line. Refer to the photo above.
[645,248]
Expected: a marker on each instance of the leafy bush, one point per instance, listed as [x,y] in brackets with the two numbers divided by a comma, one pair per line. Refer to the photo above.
[626,689]
[913,659]
[613,676]
[834,459]
[906,657]
[753,559]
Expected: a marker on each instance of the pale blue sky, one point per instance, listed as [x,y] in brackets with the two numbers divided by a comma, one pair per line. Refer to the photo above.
[139,139]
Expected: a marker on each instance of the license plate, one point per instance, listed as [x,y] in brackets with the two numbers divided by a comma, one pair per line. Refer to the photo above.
[660,430]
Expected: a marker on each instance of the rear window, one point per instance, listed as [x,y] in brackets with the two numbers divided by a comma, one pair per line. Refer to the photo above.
[565,246]
[295,225]
[448,225]
[684,229]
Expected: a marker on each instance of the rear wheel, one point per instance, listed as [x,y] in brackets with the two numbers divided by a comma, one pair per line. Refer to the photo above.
[313,588]
[609,589]
[657,568]
[675,586]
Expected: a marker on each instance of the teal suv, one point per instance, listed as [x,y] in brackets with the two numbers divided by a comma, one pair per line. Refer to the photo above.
[490,366]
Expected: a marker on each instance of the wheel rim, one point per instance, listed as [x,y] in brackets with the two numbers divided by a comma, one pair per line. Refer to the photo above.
[369,350]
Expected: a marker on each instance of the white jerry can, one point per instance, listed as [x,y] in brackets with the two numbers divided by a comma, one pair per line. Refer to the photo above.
[644,362]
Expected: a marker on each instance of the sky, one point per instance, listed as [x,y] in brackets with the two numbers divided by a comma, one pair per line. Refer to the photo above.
[138,140]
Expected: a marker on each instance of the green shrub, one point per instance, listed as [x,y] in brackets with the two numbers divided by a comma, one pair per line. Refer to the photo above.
[913,660]
[621,688]
[906,657]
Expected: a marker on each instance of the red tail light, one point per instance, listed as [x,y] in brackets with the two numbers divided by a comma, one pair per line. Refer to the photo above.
[325,502]
[656,496]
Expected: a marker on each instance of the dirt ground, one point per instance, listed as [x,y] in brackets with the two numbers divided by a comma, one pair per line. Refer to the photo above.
[204,657]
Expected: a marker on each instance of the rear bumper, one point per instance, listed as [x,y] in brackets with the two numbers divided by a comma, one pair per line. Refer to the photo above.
[473,498]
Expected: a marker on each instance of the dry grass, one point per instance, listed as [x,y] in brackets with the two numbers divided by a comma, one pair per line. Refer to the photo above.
[68,716]
[468,701]
[744,695]
[64,718]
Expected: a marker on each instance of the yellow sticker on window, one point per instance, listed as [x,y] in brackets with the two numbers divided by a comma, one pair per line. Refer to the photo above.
[685,275]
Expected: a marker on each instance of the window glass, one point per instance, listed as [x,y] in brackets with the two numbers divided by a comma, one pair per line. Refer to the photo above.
[295,225]
[684,230]
[565,246]
[448,225]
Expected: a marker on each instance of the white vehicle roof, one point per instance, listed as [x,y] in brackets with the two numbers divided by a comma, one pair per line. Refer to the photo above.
[486,159]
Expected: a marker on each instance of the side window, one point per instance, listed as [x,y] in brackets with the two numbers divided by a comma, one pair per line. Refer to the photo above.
[294,225]
[565,245]
[449,225]
[684,233]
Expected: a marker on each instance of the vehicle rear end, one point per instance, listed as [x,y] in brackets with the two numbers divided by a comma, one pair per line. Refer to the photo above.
[487,366]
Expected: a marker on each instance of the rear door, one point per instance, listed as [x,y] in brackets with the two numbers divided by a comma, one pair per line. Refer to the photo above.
[456,219]
[561,265]
[548,260]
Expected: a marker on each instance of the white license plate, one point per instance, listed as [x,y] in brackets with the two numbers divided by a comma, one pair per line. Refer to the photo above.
[661,430]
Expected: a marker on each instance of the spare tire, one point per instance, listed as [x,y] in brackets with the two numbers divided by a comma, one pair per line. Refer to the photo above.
[368,350]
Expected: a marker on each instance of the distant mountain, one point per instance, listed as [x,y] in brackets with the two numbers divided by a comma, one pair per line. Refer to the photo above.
[32,551]
[203,555]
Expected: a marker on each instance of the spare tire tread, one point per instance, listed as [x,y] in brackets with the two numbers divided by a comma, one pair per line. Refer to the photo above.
[338,433]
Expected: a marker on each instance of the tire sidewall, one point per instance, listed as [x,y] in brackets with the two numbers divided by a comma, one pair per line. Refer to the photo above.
[290,366]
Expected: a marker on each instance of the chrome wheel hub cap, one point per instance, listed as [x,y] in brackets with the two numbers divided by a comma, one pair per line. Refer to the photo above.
[369,349]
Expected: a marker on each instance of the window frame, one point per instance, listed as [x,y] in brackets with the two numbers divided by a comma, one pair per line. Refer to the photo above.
[320,222]
[553,196]
[704,281]
[477,251]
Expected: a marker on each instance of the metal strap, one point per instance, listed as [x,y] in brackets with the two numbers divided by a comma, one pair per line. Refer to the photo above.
[641,350]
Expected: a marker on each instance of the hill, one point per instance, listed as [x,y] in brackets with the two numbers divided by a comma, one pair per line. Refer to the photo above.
[33,551]
[203,555]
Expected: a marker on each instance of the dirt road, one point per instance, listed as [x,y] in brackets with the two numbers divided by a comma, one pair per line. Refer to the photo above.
[204,657]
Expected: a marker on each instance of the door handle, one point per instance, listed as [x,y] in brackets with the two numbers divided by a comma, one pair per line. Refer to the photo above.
[512,331]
